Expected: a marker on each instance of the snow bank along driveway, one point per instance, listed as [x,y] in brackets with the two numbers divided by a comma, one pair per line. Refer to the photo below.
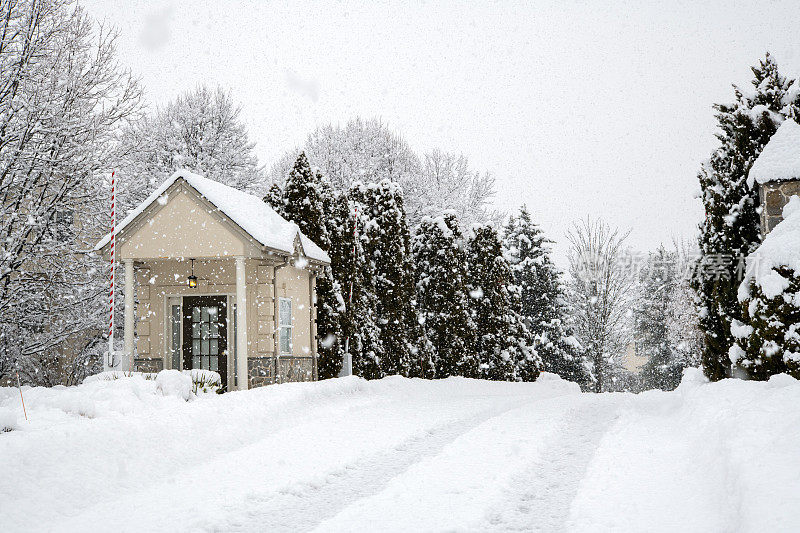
[403,455]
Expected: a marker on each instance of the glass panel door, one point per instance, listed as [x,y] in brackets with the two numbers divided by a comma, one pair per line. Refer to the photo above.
[205,334]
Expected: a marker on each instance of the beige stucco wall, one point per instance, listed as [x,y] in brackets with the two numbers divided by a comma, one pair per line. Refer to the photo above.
[157,280]
[183,227]
[293,283]
[631,361]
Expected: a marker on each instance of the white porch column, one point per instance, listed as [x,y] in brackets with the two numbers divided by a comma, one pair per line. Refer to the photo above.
[127,362]
[241,325]
[312,327]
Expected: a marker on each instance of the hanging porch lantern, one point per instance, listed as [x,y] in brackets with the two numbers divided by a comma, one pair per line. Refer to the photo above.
[192,278]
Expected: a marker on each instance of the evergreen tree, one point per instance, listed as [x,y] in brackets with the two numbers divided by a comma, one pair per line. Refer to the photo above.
[657,285]
[686,337]
[386,243]
[441,270]
[303,202]
[730,230]
[274,198]
[357,306]
[306,200]
[768,340]
[332,318]
[541,297]
[502,342]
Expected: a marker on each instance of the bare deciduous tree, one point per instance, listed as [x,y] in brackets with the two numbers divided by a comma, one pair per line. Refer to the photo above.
[685,333]
[62,96]
[447,182]
[202,131]
[600,289]
[368,151]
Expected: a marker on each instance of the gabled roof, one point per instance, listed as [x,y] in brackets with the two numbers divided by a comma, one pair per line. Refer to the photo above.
[780,158]
[249,212]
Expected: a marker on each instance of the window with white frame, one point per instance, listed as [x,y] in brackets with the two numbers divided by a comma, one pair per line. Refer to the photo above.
[285,325]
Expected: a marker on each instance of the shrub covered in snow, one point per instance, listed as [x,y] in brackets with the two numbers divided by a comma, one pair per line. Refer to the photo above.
[768,340]
[113,375]
[200,381]
[174,383]
[205,381]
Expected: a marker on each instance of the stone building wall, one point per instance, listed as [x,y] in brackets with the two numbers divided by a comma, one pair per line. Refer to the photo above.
[150,365]
[774,196]
[293,368]
[261,370]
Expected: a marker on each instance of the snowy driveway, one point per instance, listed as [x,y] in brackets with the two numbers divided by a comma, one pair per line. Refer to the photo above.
[405,455]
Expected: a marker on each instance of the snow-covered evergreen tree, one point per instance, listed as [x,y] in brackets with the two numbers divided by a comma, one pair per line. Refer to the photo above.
[683,323]
[335,318]
[541,297]
[303,202]
[307,200]
[768,337]
[503,343]
[386,243]
[201,130]
[360,324]
[274,198]
[730,230]
[657,285]
[442,302]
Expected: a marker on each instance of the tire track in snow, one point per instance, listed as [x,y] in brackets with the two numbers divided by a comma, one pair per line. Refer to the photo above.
[303,507]
[540,497]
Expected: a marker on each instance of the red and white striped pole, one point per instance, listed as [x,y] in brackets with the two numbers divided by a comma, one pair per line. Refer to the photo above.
[110,359]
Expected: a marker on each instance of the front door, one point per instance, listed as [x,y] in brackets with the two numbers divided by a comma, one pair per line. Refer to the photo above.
[205,334]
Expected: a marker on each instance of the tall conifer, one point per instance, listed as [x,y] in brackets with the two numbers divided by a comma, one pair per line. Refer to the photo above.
[441,270]
[354,274]
[386,243]
[306,200]
[541,297]
[657,285]
[503,342]
[730,230]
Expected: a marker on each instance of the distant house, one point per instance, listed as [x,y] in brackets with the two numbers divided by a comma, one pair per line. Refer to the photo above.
[215,279]
[631,360]
[777,173]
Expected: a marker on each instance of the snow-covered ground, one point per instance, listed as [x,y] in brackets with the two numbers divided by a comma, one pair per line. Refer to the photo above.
[401,454]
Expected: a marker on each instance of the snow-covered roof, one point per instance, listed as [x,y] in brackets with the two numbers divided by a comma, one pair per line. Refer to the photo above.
[780,158]
[249,212]
[781,247]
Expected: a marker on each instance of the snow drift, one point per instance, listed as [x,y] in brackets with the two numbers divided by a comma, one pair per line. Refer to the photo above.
[403,454]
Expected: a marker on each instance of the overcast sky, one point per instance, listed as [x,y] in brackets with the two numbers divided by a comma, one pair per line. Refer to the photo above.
[577,108]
